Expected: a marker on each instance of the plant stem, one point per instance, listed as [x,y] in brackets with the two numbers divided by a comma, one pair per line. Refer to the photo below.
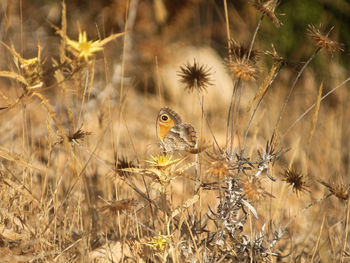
[294,84]
[313,105]
[260,100]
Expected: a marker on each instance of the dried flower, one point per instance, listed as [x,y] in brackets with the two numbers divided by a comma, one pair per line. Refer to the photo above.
[268,8]
[240,51]
[79,134]
[253,189]
[340,190]
[243,69]
[322,40]
[195,76]
[220,168]
[123,162]
[296,180]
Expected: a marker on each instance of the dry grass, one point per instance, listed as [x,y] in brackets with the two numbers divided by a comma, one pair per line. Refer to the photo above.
[82,178]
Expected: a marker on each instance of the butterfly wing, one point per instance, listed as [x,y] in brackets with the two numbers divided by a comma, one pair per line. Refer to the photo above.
[181,137]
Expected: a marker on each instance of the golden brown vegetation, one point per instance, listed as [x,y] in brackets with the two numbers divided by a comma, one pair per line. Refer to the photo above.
[82,178]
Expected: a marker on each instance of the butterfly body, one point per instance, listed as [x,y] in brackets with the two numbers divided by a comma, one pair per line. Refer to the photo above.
[173,133]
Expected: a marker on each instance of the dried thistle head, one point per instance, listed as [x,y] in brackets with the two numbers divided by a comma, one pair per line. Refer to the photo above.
[78,135]
[268,8]
[195,76]
[296,180]
[253,189]
[339,190]
[123,162]
[220,168]
[240,51]
[322,40]
[243,69]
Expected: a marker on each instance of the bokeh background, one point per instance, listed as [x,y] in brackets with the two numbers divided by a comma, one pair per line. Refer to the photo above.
[135,76]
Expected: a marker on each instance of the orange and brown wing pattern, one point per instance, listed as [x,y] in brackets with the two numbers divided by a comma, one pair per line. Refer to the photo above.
[174,135]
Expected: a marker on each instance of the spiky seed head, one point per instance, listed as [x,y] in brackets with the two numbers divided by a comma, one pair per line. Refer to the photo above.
[322,40]
[339,190]
[243,69]
[252,189]
[268,8]
[296,180]
[195,76]
[123,163]
[78,135]
[219,168]
[240,51]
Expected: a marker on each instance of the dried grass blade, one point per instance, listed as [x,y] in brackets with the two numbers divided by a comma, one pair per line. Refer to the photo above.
[262,89]
[5,154]
[315,117]
[13,75]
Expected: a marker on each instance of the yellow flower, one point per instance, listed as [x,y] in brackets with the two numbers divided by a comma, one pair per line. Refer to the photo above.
[162,160]
[85,48]
[159,242]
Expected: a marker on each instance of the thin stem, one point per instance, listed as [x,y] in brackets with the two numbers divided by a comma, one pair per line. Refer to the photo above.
[306,208]
[227,31]
[346,232]
[84,94]
[274,241]
[229,116]
[294,84]
[205,116]
[313,105]
[235,114]
[230,111]
[260,100]
[254,36]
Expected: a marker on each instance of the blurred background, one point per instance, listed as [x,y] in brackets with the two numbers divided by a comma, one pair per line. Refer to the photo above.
[137,74]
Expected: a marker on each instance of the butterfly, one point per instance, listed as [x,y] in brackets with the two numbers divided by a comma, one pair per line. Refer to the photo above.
[174,134]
